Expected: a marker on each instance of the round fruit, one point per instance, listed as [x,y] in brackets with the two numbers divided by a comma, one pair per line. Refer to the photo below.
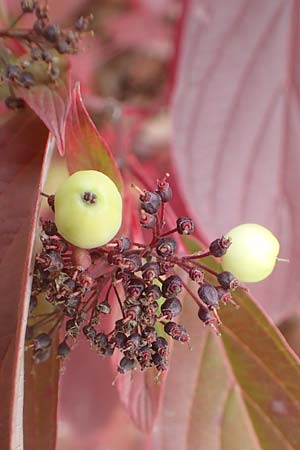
[252,255]
[88,209]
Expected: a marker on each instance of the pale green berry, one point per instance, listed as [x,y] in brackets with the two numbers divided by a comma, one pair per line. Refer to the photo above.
[88,209]
[252,255]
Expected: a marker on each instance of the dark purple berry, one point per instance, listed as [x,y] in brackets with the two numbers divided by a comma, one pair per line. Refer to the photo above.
[27,79]
[101,341]
[63,350]
[39,26]
[54,262]
[160,362]
[42,341]
[165,267]
[122,244]
[150,271]
[134,342]
[52,33]
[135,287]
[172,307]
[150,202]
[219,247]
[153,293]
[227,280]
[149,333]
[133,263]
[166,247]
[89,331]
[196,275]
[171,286]
[40,356]
[165,191]
[160,346]
[47,56]
[15,103]
[209,295]
[62,46]
[119,339]
[49,228]
[185,225]
[147,220]
[205,315]
[133,312]
[177,332]
[126,364]
[13,72]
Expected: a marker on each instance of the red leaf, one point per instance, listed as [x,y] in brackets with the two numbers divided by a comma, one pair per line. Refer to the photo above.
[236,115]
[85,149]
[22,141]
[238,391]
[51,105]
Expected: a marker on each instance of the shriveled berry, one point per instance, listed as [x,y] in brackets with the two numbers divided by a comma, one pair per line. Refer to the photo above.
[166,247]
[103,307]
[126,364]
[164,190]
[42,341]
[160,346]
[150,271]
[13,72]
[41,355]
[101,340]
[147,220]
[209,295]
[176,331]
[205,315]
[15,103]
[185,225]
[172,307]
[227,280]
[89,331]
[63,350]
[219,247]
[153,293]
[133,263]
[149,333]
[49,228]
[171,286]
[160,362]
[135,287]
[120,339]
[150,202]
[52,33]
[196,275]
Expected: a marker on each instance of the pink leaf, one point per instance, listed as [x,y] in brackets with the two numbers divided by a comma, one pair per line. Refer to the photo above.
[85,149]
[51,105]
[236,115]
[22,141]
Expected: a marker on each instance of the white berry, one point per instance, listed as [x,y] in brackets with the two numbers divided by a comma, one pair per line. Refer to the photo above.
[252,255]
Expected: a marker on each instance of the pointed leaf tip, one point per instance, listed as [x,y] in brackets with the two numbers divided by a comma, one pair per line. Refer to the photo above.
[85,148]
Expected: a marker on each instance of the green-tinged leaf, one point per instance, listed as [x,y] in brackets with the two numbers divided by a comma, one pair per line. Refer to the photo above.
[239,391]
[85,148]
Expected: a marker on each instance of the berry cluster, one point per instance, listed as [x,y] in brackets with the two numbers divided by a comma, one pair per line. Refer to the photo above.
[44,42]
[138,283]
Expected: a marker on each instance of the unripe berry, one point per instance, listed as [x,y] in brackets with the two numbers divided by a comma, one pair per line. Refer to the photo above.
[88,209]
[252,254]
